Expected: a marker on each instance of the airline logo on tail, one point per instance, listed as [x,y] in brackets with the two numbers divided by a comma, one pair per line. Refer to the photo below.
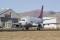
[41,13]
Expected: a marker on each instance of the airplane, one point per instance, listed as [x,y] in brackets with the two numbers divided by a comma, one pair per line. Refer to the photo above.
[27,22]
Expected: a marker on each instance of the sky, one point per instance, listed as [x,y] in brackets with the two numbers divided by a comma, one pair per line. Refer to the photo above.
[28,5]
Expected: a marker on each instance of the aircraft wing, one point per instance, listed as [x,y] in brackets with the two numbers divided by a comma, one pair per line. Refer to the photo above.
[47,19]
[50,23]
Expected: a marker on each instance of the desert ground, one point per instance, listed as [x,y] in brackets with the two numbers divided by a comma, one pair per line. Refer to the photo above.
[30,35]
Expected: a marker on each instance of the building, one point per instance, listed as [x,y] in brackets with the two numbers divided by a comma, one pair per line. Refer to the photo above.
[7,17]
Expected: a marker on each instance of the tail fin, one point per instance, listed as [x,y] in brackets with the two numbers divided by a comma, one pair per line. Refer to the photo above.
[41,13]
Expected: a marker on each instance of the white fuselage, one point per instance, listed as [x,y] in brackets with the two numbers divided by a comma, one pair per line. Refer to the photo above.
[30,20]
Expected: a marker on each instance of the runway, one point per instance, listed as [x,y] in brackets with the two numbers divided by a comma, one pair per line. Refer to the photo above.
[30,35]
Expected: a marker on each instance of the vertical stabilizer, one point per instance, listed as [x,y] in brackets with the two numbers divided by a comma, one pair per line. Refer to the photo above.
[41,13]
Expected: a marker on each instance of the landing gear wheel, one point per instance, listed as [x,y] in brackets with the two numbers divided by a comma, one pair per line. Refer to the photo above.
[38,28]
[27,28]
